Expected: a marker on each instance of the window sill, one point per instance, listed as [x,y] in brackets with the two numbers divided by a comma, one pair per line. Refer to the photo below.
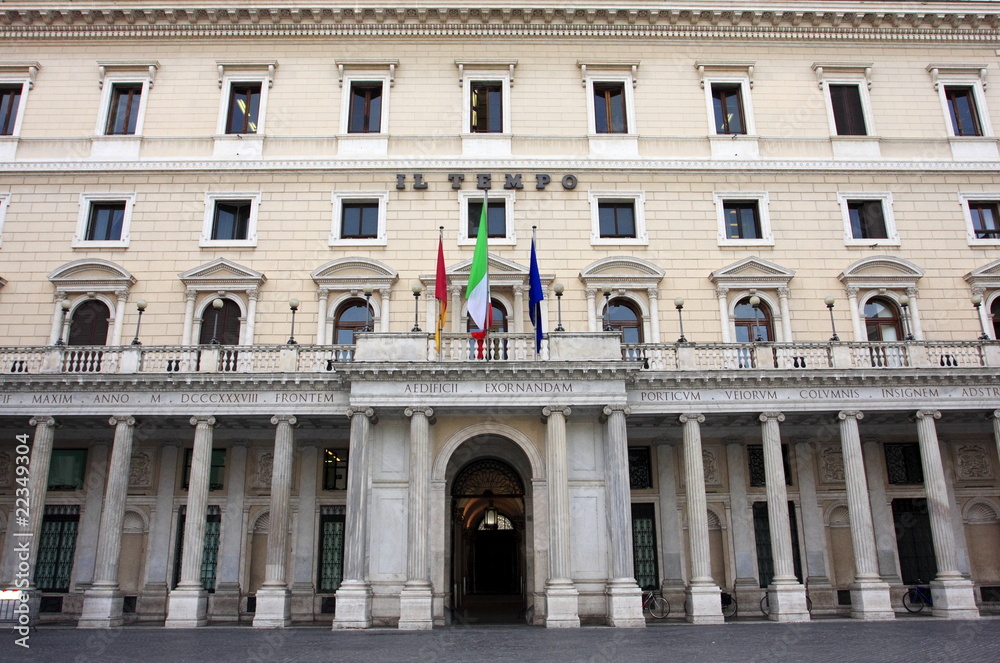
[734,146]
[8,147]
[92,244]
[855,147]
[243,146]
[118,148]
[228,244]
[596,240]
[974,148]
[614,146]
[373,241]
[765,241]
[871,243]
[486,146]
[375,145]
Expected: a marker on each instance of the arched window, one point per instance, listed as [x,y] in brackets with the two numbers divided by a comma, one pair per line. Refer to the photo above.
[222,324]
[623,316]
[498,324]
[995,317]
[882,321]
[90,324]
[352,317]
[753,325]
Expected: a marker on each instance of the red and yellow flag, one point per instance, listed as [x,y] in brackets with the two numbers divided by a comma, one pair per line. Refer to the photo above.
[440,293]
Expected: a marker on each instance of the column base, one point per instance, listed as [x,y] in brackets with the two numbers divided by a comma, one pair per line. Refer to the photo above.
[415,607]
[870,601]
[624,604]
[102,608]
[704,604]
[562,604]
[226,602]
[787,603]
[954,599]
[303,602]
[274,608]
[354,605]
[153,602]
[187,608]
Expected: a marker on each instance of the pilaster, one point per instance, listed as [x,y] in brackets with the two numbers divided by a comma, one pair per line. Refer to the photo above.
[704,604]
[415,601]
[561,596]
[273,598]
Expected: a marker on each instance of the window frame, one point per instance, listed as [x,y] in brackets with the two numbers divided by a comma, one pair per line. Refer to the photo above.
[87,201]
[338,199]
[628,83]
[13,82]
[345,106]
[846,198]
[464,197]
[336,464]
[214,197]
[762,199]
[867,115]
[82,483]
[966,200]
[975,82]
[484,75]
[746,106]
[638,200]
[4,203]
[107,96]
[248,78]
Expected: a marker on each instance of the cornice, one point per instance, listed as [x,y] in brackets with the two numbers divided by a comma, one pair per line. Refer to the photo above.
[791,19]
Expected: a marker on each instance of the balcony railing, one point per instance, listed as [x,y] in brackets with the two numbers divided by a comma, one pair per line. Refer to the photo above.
[504,348]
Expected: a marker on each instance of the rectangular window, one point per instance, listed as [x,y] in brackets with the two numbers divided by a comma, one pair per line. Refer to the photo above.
[105,222]
[496,218]
[755,463]
[902,463]
[762,535]
[365,115]
[848,112]
[210,551]
[216,473]
[10,99]
[331,552]
[640,468]
[244,105]
[67,468]
[961,102]
[742,219]
[486,107]
[335,469]
[123,113]
[616,219]
[867,219]
[359,220]
[644,546]
[56,548]
[727,100]
[231,220]
[609,108]
[985,219]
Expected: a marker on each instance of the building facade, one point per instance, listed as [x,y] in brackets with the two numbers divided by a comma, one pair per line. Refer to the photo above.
[768,241]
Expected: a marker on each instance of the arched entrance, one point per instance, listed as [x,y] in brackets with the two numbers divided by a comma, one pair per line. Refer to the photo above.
[488,542]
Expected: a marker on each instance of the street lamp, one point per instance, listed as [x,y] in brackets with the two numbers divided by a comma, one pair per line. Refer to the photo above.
[65,306]
[904,302]
[140,306]
[418,288]
[607,308]
[217,305]
[368,307]
[679,305]
[293,304]
[829,305]
[755,303]
[977,301]
[558,288]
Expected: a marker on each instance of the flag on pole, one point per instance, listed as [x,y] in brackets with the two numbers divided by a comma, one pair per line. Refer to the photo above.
[478,290]
[535,295]
[440,290]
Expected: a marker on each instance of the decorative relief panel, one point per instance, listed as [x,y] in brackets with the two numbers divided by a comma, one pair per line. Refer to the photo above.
[262,470]
[710,462]
[831,461]
[140,470]
[972,462]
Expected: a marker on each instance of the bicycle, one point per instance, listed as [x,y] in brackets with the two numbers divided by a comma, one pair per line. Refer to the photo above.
[917,598]
[729,606]
[657,606]
[765,605]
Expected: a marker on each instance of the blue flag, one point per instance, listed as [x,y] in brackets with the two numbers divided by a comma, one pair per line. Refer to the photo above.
[535,297]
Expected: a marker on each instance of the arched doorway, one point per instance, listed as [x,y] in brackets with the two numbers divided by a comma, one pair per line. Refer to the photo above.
[89,324]
[488,542]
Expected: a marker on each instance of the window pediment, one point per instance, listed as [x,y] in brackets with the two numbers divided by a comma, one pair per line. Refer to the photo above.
[622,271]
[222,274]
[504,273]
[594,67]
[752,272]
[367,64]
[987,276]
[711,68]
[841,70]
[881,271]
[91,274]
[105,67]
[353,274]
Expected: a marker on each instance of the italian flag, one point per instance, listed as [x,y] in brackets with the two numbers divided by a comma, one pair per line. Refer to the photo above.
[478,291]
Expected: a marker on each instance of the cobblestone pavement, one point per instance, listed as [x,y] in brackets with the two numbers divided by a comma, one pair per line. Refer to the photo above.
[907,639]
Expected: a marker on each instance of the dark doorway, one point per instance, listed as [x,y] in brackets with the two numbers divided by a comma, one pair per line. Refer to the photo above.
[765,555]
[917,564]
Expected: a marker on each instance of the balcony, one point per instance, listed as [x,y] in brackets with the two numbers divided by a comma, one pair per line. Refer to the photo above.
[499,348]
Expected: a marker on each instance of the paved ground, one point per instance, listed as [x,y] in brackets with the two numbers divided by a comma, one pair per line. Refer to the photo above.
[841,640]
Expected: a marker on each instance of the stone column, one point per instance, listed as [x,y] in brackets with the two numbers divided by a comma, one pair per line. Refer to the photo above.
[561,597]
[187,605]
[232,539]
[593,324]
[102,603]
[324,298]
[787,597]
[248,329]
[354,598]
[915,327]
[995,416]
[953,595]
[90,517]
[415,599]
[852,305]
[704,604]
[304,548]
[870,598]
[57,320]
[744,544]
[38,483]
[187,334]
[671,550]
[654,315]
[786,318]
[153,602]
[456,308]
[518,309]
[385,296]
[274,608]
[722,292]
[624,595]
[116,331]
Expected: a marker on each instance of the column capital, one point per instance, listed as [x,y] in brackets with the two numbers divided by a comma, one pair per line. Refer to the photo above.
[355,410]
[190,294]
[121,294]
[419,409]
[199,420]
[995,414]
[653,293]
[127,419]
[912,291]
[721,291]
[549,410]
[851,292]
[611,409]
[850,414]
[921,414]
[42,421]
[692,416]
[284,419]
[766,416]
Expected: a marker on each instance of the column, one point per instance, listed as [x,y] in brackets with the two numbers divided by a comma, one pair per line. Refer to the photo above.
[885,530]
[415,599]
[456,308]
[102,603]
[354,598]
[561,597]
[189,297]
[153,603]
[915,327]
[324,299]
[817,563]
[248,331]
[985,318]
[116,331]
[704,604]
[90,516]
[722,292]
[624,595]
[870,598]
[187,605]
[232,539]
[744,543]
[304,548]
[995,416]
[57,319]
[519,309]
[786,318]
[38,482]
[787,597]
[274,608]
[592,322]
[671,551]
[852,306]
[953,594]
[385,296]
[654,315]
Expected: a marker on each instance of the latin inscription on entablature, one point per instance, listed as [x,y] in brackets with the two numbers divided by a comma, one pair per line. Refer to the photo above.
[181,402]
